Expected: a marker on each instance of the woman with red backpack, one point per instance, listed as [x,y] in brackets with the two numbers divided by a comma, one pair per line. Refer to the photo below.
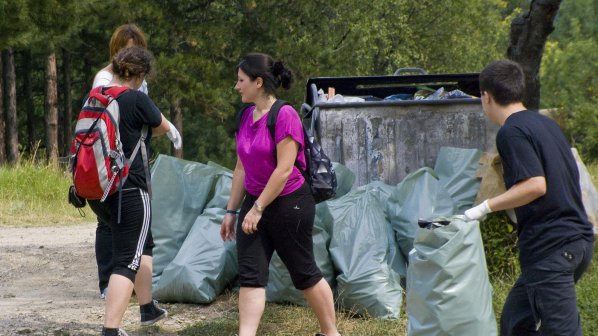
[132,243]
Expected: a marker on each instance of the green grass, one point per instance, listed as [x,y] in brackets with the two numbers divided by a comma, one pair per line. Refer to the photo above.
[36,195]
[292,320]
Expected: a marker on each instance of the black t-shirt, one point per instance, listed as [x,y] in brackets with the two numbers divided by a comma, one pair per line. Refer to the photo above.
[136,110]
[531,145]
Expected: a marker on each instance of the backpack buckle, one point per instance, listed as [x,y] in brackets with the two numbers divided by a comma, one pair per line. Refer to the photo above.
[117,162]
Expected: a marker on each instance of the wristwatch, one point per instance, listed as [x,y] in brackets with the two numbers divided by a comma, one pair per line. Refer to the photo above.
[258,207]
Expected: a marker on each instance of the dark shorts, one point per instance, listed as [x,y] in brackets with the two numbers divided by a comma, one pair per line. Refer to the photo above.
[132,237]
[285,227]
[543,301]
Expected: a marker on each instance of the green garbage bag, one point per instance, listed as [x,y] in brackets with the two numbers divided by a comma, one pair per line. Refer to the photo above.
[362,247]
[383,192]
[419,196]
[448,291]
[180,191]
[344,179]
[456,169]
[204,265]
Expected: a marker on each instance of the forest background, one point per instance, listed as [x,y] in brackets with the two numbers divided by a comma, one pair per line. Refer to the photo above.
[51,49]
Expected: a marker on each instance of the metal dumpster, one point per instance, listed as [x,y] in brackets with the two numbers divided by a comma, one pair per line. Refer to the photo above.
[386,140]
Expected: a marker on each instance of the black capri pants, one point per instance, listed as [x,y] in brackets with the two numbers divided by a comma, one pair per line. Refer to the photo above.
[132,237]
[285,227]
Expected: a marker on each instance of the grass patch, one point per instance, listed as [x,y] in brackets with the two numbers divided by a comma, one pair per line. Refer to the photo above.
[291,320]
[36,195]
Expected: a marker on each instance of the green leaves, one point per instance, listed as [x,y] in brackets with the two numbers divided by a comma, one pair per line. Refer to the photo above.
[568,75]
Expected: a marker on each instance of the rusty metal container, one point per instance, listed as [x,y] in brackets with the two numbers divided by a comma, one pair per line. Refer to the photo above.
[385,140]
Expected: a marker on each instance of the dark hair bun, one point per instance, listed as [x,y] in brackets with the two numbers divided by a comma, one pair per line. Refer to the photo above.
[274,73]
[283,74]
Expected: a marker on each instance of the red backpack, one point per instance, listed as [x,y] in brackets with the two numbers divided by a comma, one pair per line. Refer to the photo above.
[98,163]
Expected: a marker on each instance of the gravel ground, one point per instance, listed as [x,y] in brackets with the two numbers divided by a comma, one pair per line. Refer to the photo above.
[48,286]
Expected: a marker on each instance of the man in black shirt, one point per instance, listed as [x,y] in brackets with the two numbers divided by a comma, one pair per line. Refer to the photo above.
[555,237]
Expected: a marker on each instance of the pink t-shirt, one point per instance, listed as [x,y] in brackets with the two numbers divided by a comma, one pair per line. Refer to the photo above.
[256,149]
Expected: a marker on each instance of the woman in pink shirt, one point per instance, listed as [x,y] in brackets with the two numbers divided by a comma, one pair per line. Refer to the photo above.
[277,211]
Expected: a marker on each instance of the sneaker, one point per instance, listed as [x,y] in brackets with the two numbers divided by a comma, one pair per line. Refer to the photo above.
[103,293]
[150,313]
[110,332]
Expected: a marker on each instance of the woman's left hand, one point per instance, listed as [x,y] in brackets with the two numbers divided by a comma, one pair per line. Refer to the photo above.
[251,221]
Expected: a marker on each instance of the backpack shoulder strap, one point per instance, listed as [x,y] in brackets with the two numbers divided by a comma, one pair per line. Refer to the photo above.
[114,91]
[144,157]
[273,117]
[239,116]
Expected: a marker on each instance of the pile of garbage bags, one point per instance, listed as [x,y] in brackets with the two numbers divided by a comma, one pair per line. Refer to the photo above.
[367,243]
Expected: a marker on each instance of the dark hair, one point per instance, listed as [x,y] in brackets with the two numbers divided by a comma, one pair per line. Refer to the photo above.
[274,73]
[505,80]
[121,36]
[132,61]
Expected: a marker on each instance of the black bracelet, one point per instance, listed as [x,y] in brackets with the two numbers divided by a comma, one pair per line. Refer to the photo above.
[234,212]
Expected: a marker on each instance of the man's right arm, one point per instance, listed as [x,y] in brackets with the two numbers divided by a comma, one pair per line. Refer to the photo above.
[521,193]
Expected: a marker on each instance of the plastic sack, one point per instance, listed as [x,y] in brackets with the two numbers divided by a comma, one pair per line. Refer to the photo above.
[448,291]
[456,169]
[362,249]
[589,195]
[180,191]
[344,179]
[419,196]
[383,193]
[204,266]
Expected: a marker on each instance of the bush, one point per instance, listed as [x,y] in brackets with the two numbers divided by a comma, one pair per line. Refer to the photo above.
[500,238]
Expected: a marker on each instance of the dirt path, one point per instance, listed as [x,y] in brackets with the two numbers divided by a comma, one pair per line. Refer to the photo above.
[48,286]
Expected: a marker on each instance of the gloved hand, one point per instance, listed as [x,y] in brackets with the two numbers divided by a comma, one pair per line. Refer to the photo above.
[175,136]
[479,211]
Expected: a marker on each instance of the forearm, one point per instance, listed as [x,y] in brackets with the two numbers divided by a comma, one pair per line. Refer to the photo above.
[275,185]
[519,194]
[162,129]
[237,190]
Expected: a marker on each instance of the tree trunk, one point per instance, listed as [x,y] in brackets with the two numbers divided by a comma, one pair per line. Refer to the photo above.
[2,128]
[29,105]
[10,85]
[67,102]
[51,110]
[529,32]
[176,117]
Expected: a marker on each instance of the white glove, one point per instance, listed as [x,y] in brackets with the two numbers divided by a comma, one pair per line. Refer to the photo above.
[479,211]
[175,136]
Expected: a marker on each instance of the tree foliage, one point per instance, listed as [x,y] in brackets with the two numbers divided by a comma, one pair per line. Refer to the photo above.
[197,45]
[568,74]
